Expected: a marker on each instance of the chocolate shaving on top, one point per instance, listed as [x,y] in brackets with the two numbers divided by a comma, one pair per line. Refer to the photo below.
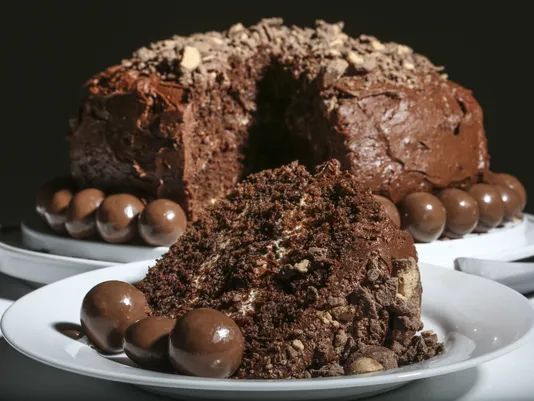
[309,49]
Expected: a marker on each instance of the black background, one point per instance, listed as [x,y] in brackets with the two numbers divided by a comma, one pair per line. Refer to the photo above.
[48,49]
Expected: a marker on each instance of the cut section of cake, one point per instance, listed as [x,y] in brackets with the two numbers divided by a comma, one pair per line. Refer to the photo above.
[319,280]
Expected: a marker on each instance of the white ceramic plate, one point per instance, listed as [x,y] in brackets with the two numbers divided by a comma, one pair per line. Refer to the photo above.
[511,242]
[477,319]
[4,304]
[39,267]
[37,236]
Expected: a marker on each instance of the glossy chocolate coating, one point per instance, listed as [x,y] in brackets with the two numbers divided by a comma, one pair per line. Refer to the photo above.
[423,216]
[490,206]
[81,215]
[45,192]
[116,218]
[146,342]
[511,182]
[390,208]
[162,222]
[206,343]
[511,202]
[462,212]
[53,200]
[108,309]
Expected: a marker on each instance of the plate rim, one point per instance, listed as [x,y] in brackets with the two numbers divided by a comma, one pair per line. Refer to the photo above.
[30,253]
[437,252]
[511,242]
[168,380]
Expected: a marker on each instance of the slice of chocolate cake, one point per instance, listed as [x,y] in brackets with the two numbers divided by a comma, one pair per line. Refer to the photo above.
[319,280]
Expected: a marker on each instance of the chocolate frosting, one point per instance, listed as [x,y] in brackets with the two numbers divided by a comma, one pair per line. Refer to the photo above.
[174,120]
[402,140]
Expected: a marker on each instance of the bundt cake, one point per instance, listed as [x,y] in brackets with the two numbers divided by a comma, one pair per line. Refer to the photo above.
[188,117]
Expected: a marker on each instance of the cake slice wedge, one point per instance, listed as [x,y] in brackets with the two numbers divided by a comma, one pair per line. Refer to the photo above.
[317,277]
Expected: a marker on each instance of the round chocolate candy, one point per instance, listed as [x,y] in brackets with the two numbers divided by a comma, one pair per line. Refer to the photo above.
[423,216]
[162,222]
[390,208]
[116,218]
[511,182]
[53,200]
[511,202]
[81,222]
[490,206]
[108,309]
[206,343]
[45,192]
[146,342]
[462,212]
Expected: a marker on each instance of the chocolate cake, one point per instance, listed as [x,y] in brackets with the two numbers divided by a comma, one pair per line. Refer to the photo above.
[188,117]
[319,280]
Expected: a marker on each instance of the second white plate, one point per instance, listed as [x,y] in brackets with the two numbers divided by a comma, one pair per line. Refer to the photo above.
[39,267]
[511,242]
[37,236]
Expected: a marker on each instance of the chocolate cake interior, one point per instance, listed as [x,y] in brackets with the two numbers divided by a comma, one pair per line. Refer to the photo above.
[274,138]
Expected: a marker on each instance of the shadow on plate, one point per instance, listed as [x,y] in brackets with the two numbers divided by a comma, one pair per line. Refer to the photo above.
[71,330]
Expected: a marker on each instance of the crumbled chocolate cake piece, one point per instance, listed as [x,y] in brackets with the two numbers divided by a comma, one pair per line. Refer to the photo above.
[188,117]
[310,268]
[382,358]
